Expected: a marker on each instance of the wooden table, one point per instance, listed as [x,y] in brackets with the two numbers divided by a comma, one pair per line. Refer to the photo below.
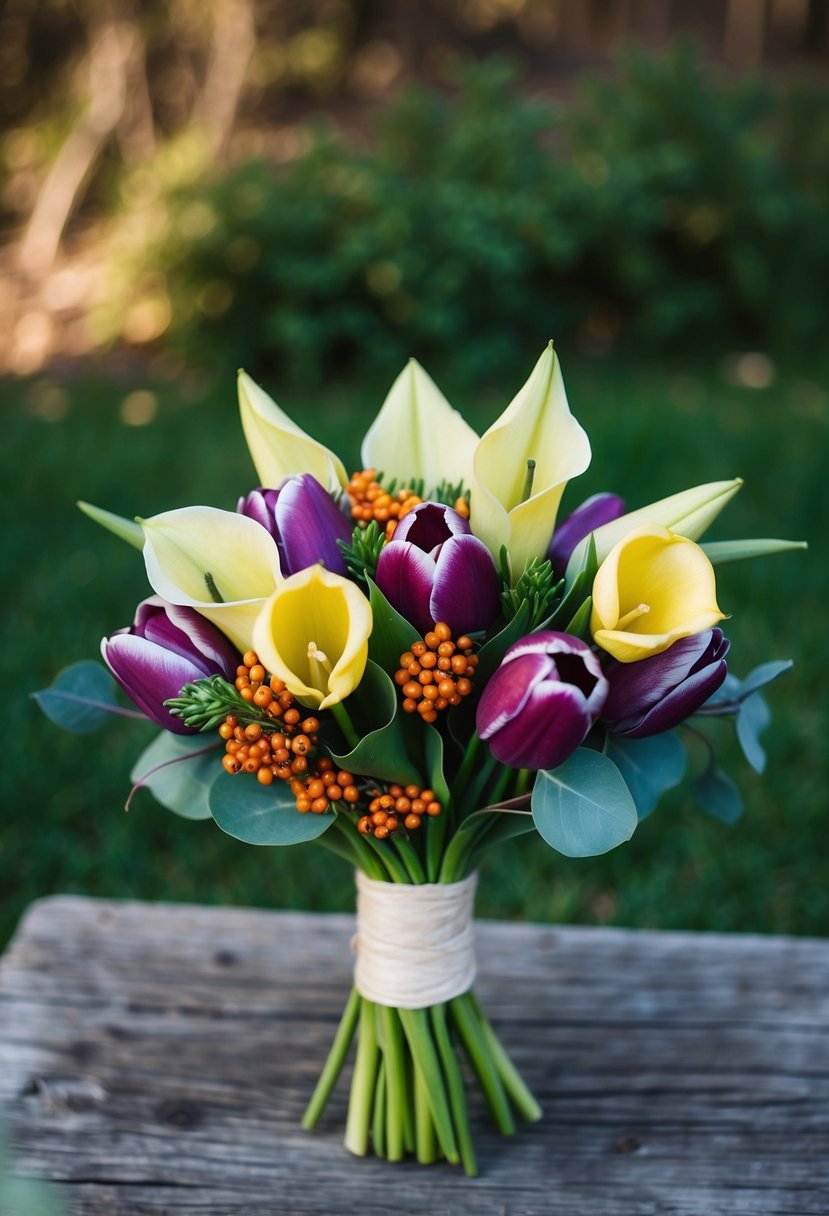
[155,1059]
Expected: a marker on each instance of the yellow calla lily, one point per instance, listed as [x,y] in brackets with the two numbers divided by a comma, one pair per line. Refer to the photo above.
[278,447]
[417,434]
[537,426]
[653,588]
[689,513]
[313,633]
[218,562]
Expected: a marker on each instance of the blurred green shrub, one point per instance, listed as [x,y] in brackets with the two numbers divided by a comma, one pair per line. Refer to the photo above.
[666,207]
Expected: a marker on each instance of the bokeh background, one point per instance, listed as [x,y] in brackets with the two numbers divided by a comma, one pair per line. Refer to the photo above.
[316,191]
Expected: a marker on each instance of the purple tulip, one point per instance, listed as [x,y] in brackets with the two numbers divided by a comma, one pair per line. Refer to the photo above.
[304,520]
[165,648]
[541,702]
[433,569]
[593,512]
[657,693]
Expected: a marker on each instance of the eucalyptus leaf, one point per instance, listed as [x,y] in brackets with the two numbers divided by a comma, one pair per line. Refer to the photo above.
[720,551]
[583,807]
[391,633]
[763,675]
[81,698]
[649,766]
[382,753]
[179,772]
[717,794]
[265,815]
[754,717]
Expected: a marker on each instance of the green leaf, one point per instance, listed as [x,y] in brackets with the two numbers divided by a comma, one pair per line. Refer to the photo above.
[717,794]
[433,743]
[81,698]
[583,807]
[763,675]
[754,717]
[179,773]
[578,591]
[391,633]
[260,814]
[579,626]
[490,654]
[381,753]
[649,766]
[125,529]
[721,551]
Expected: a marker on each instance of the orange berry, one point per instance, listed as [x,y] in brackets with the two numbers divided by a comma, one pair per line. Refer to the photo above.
[379,817]
[252,764]
[351,793]
[429,661]
[402,805]
[262,697]
[316,788]
[364,825]
[381,833]
[292,716]
[406,659]
[427,795]
[409,705]
[446,688]
[419,649]
[464,643]
[401,676]
[299,765]
[253,731]
[411,822]
[426,677]
[226,730]
[433,808]
[250,658]
[281,755]
[264,776]
[430,692]
[257,673]
[411,689]
[303,805]
[334,792]
[412,791]
[444,664]
[319,805]
[446,650]
[464,687]
[344,778]
[392,823]
[418,806]
[442,631]
[230,764]
[458,664]
[246,693]
[300,744]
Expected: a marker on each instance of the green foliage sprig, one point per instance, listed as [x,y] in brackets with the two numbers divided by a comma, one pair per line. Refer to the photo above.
[206,703]
[536,586]
[362,554]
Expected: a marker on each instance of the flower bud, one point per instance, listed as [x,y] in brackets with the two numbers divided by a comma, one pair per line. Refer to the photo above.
[592,514]
[434,569]
[541,702]
[304,521]
[165,648]
[659,692]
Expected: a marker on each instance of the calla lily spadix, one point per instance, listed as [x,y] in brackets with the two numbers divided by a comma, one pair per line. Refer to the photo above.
[313,633]
[537,426]
[652,589]
[221,563]
[689,513]
[417,434]
[280,448]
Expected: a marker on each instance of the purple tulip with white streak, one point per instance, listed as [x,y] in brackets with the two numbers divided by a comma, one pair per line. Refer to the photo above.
[165,648]
[433,569]
[305,522]
[593,512]
[657,693]
[541,702]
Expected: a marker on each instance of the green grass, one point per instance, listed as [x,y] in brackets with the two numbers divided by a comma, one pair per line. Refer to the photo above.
[653,431]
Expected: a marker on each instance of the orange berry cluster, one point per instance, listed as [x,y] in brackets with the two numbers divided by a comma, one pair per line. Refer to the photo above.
[370,501]
[398,807]
[252,684]
[325,785]
[436,672]
[282,753]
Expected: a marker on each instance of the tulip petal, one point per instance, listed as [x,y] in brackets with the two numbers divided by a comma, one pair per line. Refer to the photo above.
[417,434]
[182,547]
[280,448]
[508,690]
[678,704]
[308,524]
[688,514]
[554,722]
[149,675]
[429,524]
[637,685]
[536,425]
[593,513]
[405,575]
[466,587]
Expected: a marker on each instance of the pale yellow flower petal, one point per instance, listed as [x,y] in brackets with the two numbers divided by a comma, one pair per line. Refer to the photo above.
[538,426]
[417,434]
[186,551]
[315,613]
[278,447]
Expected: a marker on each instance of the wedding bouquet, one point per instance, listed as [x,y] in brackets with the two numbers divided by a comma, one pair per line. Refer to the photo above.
[413,664]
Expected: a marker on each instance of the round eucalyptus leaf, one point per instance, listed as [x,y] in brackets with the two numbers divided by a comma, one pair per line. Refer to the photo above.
[583,807]
[260,814]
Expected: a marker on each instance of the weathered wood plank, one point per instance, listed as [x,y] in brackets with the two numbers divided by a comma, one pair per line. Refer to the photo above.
[156,1059]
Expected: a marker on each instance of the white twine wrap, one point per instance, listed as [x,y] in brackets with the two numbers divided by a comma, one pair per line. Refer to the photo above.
[414,944]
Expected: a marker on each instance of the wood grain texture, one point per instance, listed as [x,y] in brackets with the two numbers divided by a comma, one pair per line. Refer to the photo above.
[156,1059]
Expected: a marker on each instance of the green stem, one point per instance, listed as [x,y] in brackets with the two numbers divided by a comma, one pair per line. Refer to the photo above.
[419,1037]
[409,857]
[366,860]
[394,866]
[397,1106]
[454,1085]
[425,1141]
[473,795]
[522,781]
[334,1063]
[469,1029]
[362,1082]
[467,765]
[378,1114]
[514,1083]
[345,724]
[435,837]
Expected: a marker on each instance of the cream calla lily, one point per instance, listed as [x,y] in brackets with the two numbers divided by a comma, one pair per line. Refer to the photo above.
[652,589]
[417,434]
[197,554]
[537,426]
[689,513]
[278,447]
[313,633]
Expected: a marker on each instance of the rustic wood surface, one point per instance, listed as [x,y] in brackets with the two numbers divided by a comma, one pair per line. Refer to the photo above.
[155,1059]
